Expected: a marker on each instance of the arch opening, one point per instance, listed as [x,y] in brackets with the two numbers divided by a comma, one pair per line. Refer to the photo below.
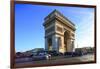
[49,44]
[66,37]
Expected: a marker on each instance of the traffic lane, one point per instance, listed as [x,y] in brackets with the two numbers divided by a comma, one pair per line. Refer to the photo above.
[64,61]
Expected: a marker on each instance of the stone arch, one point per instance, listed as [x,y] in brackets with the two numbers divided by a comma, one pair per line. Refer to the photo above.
[66,37]
[49,43]
[59,43]
[56,25]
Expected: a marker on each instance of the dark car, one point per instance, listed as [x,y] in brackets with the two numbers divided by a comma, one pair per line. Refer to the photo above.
[77,54]
[68,53]
[53,53]
[73,54]
[41,56]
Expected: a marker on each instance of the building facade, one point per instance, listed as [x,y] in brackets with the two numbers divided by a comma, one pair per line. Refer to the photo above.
[59,33]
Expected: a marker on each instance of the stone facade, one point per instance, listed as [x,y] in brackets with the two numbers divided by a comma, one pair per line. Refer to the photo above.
[59,33]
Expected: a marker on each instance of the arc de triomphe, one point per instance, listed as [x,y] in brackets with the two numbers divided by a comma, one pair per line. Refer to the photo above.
[59,33]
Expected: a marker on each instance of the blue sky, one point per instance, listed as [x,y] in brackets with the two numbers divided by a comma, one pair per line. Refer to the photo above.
[29,30]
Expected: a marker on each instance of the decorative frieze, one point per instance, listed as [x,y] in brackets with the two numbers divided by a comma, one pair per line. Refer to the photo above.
[59,29]
[49,30]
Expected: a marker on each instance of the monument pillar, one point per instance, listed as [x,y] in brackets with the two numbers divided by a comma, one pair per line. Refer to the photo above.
[46,44]
[55,43]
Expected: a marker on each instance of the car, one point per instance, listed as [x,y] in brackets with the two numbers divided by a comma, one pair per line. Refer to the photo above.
[41,56]
[73,54]
[53,53]
[68,54]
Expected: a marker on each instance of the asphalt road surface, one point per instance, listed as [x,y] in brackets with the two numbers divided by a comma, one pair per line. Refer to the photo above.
[57,61]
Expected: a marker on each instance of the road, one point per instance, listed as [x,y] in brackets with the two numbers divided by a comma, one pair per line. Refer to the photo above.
[57,60]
